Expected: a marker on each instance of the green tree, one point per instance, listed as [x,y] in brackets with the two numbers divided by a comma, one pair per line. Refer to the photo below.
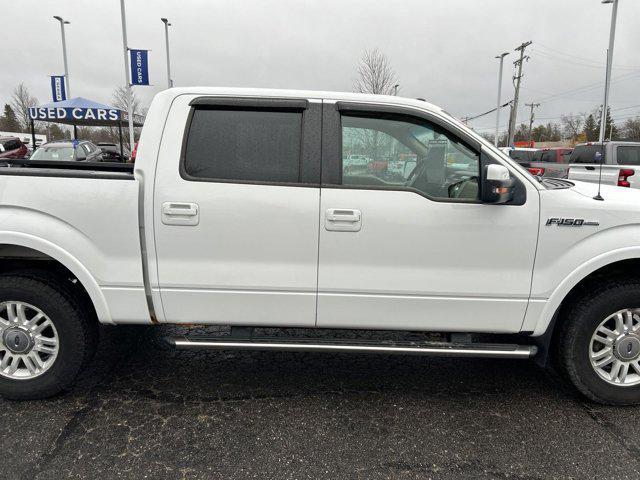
[591,128]
[611,131]
[55,132]
[9,121]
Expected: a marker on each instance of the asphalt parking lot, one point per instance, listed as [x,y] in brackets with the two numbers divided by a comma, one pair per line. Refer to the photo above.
[143,410]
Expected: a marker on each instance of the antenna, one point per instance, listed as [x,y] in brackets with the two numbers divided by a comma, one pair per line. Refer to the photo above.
[603,120]
[598,196]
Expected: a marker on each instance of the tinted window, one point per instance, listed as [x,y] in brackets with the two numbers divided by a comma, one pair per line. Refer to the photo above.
[629,155]
[521,155]
[397,153]
[586,154]
[11,145]
[260,145]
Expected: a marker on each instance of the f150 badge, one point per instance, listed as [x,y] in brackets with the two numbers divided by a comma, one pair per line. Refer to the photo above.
[571,222]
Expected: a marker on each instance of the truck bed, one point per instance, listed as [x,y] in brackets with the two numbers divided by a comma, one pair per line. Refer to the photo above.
[87,217]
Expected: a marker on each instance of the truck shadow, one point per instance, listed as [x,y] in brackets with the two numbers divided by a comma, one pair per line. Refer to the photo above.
[136,360]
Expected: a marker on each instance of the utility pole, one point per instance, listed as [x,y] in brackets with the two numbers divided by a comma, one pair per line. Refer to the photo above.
[607,82]
[166,38]
[501,57]
[532,105]
[518,78]
[127,75]
[64,22]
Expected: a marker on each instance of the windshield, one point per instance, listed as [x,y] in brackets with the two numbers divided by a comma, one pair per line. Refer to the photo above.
[54,153]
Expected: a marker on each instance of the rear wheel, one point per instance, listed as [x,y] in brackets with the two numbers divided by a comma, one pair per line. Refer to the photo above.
[46,336]
[599,343]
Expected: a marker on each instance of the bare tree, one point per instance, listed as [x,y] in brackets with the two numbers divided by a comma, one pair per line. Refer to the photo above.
[119,100]
[572,124]
[375,74]
[631,129]
[21,101]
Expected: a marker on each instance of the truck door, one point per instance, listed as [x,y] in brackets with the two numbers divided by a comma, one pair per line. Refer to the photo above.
[405,242]
[236,219]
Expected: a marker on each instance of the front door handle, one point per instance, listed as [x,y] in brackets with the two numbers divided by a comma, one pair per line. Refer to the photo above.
[343,220]
[178,213]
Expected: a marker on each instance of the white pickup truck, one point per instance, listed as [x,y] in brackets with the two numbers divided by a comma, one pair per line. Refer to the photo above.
[621,165]
[239,213]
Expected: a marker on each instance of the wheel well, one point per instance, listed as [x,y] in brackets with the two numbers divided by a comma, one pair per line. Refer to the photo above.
[622,269]
[15,259]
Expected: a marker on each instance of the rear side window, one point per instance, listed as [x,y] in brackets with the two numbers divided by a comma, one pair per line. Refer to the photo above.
[548,156]
[629,155]
[586,154]
[11,145]
[244,145]
[521,155]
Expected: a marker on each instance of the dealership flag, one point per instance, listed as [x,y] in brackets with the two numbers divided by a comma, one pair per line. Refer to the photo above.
[139,67]
[57,88]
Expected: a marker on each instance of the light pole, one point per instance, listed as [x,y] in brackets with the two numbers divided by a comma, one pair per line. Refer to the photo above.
[607,82]
[64,22]
[501,57]
[127,75]
[166,39]
[395,89]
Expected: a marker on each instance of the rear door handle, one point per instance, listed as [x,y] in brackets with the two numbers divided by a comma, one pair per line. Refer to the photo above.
[343,220]
[178,213]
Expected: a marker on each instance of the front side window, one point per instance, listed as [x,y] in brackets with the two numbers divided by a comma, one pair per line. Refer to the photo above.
[398,153]
[629,155]
[244,145]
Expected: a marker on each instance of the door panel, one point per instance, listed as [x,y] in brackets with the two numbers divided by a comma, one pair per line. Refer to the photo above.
[425,265]
[237,252]
[415,262]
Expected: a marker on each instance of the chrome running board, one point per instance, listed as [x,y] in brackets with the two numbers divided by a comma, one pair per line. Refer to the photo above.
[442,349]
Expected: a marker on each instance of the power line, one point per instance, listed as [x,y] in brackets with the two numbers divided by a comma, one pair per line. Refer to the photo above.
[552,51]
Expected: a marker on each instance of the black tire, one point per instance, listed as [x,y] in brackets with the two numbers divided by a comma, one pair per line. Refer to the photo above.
[76,326]
[578,322]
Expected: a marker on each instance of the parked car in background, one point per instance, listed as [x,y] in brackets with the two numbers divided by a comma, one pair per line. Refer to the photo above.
[73,151]
[544,162]
[134,152]
[12,147]
[620,162]
[111,152]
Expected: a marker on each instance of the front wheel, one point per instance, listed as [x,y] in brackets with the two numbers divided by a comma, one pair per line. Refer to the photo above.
[46,336]
[599,344]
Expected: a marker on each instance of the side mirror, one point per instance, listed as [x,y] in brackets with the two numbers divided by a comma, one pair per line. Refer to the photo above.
[497,184]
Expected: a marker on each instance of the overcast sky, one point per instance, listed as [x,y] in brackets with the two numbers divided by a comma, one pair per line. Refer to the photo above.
[441,50]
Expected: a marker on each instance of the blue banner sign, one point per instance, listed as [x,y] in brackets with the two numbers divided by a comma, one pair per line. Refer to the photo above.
[139,67]
[58,91]
[74,113]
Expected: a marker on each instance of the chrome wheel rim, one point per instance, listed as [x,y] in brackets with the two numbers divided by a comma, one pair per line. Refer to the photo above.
[29,341]
[614,350]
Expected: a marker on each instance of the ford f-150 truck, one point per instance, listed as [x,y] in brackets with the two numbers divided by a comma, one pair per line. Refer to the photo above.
[239,213]
[610,163]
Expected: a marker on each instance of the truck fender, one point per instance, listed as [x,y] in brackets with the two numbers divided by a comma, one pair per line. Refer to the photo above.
[576,276]
[67,260]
